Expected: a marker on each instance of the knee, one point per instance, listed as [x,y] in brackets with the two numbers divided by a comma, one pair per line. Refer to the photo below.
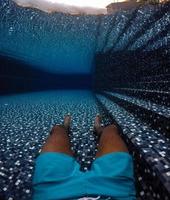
[57,129]
[111,129]
[110,132]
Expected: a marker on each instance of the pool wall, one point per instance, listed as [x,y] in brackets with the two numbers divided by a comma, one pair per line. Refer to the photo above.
[132,84]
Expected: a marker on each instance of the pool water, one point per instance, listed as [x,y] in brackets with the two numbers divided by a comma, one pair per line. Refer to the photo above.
[116,65]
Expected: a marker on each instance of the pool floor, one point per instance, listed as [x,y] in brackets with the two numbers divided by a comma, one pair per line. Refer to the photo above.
[26,120]
[25,124]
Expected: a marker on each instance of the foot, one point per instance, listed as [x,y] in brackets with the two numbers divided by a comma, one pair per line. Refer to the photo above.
[67,122]
[98,129]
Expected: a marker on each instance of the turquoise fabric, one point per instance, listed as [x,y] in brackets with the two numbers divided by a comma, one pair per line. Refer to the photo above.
[58,176]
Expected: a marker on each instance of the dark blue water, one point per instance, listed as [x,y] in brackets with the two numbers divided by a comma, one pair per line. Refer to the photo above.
[117,65]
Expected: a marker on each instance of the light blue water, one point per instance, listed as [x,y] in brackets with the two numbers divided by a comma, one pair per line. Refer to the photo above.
[57,43]
[67,44]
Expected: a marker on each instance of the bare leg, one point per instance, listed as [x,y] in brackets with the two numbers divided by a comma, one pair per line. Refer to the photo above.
[110,140]
[58,140]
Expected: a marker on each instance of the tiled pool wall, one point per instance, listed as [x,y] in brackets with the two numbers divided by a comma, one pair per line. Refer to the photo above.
[133,85]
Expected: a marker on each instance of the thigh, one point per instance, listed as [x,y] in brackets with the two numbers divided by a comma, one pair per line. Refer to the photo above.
[58,141]
[111,141]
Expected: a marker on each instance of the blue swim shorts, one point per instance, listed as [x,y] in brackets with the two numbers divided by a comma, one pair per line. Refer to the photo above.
[57,176]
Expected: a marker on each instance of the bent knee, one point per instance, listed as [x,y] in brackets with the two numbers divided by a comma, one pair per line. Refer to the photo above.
[59,129]
[111,128]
